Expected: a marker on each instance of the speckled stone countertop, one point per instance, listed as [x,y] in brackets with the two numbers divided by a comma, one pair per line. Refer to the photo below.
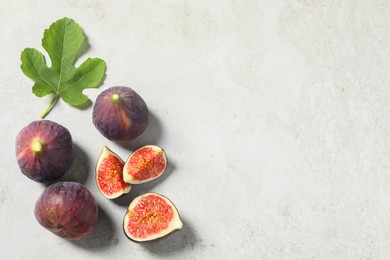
[275,116]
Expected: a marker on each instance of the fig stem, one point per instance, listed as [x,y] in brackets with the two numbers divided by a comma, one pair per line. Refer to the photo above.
[115,98]
[36,146]
[50,106]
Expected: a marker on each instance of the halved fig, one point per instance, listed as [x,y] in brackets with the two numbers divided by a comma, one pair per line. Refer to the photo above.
[145,164]
[109,169]
[149,217]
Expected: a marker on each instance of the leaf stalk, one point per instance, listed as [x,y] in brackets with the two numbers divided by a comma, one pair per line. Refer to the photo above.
[50,106]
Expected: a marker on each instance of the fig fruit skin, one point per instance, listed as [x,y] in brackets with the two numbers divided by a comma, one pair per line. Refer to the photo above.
[151,217]
[145,164]
[120,114]
[109,170]
[67,209]
[44,150]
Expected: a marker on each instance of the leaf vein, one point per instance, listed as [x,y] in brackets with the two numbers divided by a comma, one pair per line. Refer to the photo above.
[78,80]
[62,60]
[39,74]
[62,41]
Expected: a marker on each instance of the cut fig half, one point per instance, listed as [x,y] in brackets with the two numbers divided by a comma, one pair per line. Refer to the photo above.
[149,217]
[109,170]
[145,164]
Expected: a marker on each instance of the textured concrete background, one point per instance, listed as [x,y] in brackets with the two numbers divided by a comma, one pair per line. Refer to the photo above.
[275,116]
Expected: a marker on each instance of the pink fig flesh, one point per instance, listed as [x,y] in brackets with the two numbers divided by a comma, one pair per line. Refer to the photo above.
[145,164]
[149,217]
[109,179]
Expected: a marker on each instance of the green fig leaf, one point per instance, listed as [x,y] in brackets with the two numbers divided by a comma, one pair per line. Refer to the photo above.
[62,41]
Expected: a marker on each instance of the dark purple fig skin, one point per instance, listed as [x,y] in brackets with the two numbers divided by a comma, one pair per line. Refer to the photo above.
[57,151]
[123,120]
[68,209]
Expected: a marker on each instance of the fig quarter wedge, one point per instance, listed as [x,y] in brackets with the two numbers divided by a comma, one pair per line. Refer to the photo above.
[109,170]
[145,164]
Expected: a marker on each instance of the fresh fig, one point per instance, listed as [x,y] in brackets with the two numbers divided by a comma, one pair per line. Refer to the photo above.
[120,114]
[145,164]
[109,171]
[44,150]
[68,209]
[149,217]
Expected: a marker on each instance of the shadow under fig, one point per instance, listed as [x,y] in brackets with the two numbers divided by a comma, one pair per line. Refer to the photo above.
[78,171]
[103,236]
[182,240]
[139,189]
[151,135]
[80,168]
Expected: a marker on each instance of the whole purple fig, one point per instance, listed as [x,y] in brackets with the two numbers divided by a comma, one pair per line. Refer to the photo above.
[68,209]
[44,150]
[120,114]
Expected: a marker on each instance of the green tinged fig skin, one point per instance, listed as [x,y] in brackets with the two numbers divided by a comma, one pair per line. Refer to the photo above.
[120,114]
[150,241]
[68,209]
[44,150]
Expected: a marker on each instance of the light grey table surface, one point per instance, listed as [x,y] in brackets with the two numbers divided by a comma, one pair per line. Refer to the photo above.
[275,116]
